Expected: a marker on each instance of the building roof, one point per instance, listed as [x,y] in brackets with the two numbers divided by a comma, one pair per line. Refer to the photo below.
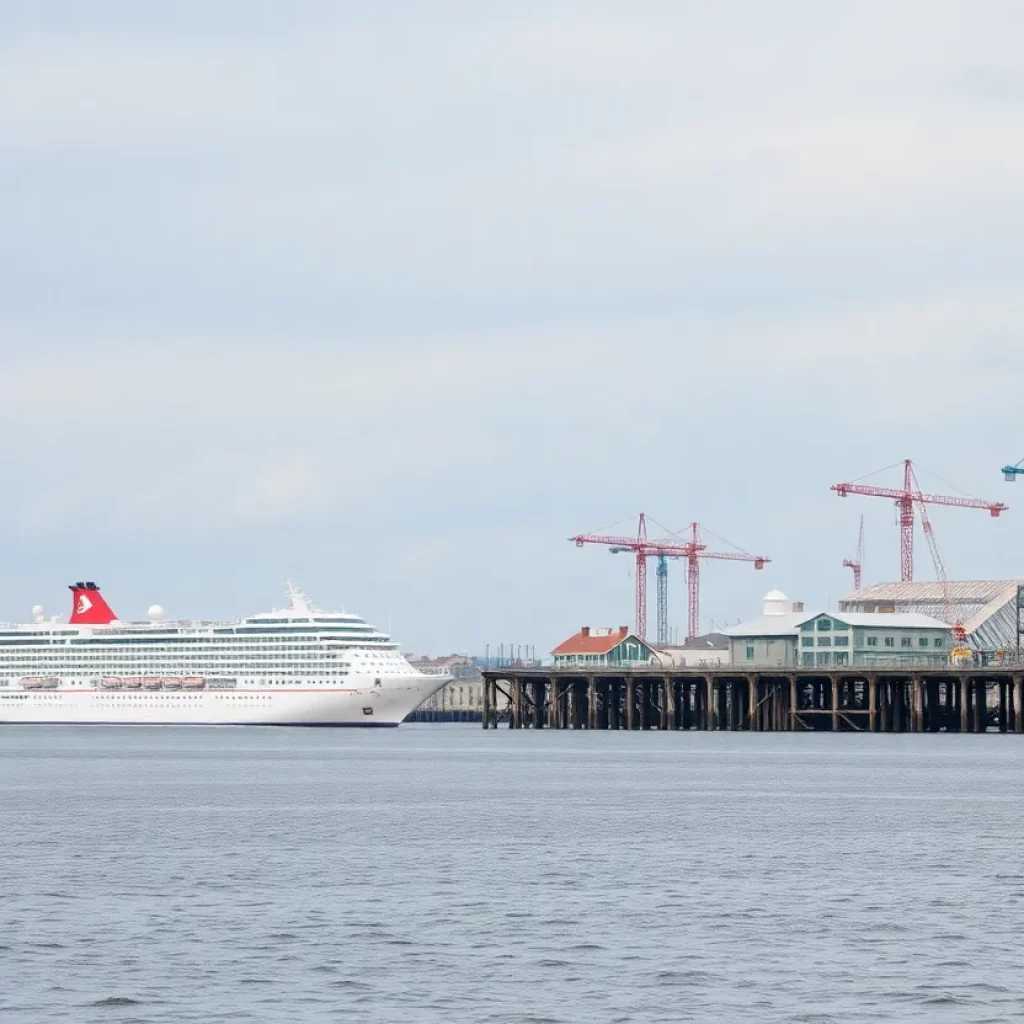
[707,642]
[790,623]
[770,625]
[891,620]
[595,641]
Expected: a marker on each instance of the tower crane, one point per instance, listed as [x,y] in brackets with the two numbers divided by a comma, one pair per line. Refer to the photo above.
[857,562]
[1010,473]
[906,498]
[692,549]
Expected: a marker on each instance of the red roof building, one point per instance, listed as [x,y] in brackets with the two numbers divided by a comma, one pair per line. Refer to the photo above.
[602,647]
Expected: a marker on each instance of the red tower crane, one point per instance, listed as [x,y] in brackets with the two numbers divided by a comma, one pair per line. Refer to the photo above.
[905,500]
[857,562]
[692,550]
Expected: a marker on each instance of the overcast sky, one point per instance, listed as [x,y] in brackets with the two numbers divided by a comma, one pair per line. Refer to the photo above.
[391,298]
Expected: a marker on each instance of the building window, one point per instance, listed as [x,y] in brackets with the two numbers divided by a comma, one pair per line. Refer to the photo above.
[842,658]
[905,641]
[922,641]
[838,626]
[807,641]
[824,625]
[938,641]
[807,659]
[750,652]
[890,641]
[858,638]
[824,658]
[872,641]
[807,627]
[824,641]
[841,641]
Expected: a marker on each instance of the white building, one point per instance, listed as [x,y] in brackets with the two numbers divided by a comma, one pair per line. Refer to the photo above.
[786,638]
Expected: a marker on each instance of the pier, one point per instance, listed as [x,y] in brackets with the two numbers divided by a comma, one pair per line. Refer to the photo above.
[954,699]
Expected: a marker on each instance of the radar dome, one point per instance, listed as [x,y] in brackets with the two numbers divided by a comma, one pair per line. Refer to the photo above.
[775,603]
[155,613]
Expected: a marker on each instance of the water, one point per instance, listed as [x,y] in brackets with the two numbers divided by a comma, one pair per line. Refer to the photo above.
[440,873]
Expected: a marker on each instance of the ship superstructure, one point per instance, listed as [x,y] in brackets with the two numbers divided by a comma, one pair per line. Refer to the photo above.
[296,666]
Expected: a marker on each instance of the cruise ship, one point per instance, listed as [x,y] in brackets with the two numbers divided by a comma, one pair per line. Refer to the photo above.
[297,666]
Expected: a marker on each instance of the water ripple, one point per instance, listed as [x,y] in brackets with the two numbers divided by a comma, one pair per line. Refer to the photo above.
[435,873]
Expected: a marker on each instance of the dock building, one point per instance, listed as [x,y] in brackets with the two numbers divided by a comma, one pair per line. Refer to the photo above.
[785,638]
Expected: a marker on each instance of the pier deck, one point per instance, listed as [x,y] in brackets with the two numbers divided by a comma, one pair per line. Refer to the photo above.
[902,699]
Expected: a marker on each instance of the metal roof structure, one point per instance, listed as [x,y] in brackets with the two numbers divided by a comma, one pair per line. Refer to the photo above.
[987,607]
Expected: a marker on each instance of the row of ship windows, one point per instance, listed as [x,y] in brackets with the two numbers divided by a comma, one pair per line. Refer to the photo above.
[184,643]
[187,659]
[332,678]
[351,623]
[152,697]
[265,666]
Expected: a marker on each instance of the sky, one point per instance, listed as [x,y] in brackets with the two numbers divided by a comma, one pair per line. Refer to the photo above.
[392,298]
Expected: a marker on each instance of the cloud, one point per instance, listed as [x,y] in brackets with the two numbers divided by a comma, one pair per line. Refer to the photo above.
[404,297]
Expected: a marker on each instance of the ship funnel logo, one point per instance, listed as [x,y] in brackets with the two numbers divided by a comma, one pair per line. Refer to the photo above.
[88,607]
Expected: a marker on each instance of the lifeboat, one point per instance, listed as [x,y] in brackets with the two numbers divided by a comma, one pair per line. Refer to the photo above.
[171,682]
[152,682]
[132,682]
[40,682]
[112,683]
[193,683]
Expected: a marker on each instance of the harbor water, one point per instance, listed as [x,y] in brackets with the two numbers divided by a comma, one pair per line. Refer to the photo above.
[443,873]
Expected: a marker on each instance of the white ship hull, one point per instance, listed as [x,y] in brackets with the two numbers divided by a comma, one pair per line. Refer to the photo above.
[361,702]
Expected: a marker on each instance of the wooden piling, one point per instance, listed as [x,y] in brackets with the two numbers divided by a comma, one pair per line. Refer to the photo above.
[668,703]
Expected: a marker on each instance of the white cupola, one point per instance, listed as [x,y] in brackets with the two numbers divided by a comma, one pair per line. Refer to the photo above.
[776,603]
